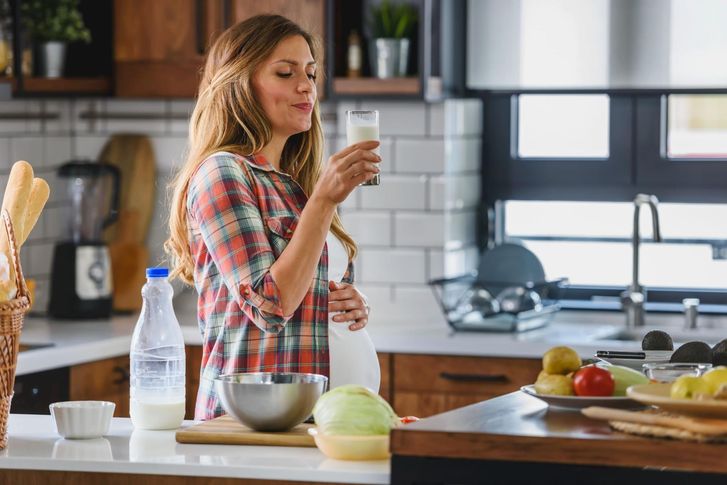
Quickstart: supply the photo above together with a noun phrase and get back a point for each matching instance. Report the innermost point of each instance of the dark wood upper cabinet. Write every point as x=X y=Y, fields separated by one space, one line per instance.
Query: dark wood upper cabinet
x=159 y=46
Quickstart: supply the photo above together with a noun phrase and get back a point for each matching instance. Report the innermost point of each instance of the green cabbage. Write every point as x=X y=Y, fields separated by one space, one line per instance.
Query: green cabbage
x=353 y=410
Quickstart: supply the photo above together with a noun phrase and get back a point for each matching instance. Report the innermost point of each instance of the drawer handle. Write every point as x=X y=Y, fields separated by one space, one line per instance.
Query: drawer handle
x=122 y=373
x=474 y=377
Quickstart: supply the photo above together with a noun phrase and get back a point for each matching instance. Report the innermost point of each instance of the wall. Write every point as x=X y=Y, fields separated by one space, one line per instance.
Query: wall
x=418 y=225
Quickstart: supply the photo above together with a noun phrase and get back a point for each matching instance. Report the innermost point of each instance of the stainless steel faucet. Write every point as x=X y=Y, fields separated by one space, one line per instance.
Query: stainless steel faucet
x=632 y=300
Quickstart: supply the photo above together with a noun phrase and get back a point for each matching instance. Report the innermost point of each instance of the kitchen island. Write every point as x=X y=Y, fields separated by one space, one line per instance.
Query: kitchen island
x=36 y=454
x=516 y=438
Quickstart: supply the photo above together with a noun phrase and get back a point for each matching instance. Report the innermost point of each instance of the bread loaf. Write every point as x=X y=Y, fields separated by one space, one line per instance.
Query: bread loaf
x=39 y=193
x=15 y=201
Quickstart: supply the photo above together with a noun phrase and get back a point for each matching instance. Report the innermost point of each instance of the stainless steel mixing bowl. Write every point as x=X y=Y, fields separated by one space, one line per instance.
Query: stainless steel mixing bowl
x=267 y=401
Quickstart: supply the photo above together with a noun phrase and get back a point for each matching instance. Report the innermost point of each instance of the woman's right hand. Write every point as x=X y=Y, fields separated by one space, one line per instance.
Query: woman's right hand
x=346 y=170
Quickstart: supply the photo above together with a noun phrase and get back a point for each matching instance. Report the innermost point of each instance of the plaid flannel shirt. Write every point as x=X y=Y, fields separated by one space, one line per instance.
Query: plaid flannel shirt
x=242 y=214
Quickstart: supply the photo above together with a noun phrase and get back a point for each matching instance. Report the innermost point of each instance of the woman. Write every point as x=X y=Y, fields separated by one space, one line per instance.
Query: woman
x=253 y=221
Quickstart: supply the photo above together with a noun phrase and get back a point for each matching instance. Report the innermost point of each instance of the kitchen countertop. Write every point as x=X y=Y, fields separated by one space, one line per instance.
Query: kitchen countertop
x=77 y=342
x=34 y=445
x=526 y=438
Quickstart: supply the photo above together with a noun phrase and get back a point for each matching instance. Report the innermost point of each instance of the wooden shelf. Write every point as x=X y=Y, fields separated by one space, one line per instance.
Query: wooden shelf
x=399 y=85
x=81 y=85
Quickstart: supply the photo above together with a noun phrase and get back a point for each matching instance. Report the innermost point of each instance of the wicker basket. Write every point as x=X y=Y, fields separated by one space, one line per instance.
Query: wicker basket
x=11 y=323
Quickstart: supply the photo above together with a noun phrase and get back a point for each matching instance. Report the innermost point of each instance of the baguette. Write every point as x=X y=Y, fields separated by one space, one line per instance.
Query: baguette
x=17 y=193
x=39 y=193
x=15 y=201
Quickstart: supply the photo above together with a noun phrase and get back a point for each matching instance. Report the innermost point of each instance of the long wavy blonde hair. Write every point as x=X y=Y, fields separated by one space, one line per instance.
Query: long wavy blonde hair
x=228 y=118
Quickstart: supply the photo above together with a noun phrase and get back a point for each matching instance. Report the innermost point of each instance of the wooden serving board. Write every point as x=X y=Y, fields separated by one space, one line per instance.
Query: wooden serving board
x=226 y=430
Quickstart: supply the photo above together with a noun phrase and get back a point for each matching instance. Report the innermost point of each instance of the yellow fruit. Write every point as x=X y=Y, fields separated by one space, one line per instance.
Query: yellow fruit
x=554 y=385
x=541 y=375
x=715 y=378
x=561 y=360
x=688 y=387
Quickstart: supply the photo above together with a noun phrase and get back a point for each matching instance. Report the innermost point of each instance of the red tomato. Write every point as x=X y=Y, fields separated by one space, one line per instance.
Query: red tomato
x=408 y=419
x=593 y=381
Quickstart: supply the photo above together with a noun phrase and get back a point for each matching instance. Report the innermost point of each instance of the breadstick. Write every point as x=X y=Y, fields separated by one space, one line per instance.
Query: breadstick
x=15 y=201
x=39 y=193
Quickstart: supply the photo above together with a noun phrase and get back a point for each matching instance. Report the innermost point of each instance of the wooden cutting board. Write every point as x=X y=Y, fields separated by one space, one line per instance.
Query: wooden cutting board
x=133 y=155
x=226 y=430
x=129 y=260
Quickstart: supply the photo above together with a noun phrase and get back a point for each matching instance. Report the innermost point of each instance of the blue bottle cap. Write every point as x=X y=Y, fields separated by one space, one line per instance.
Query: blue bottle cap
x=157 y=272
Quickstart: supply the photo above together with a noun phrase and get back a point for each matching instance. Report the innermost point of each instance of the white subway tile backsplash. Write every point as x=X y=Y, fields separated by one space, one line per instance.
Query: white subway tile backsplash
x=368 y=228
x=169 y=152
x=436 y=264
x=392 y=265
x=419 y=156
x=140 y=125
x=462 y=154
x=64 y=123
x=463 y=117
x=462 y=191
x=409 y=229
x=398 y=118
x=416 y=301
x=421 y=229
x=436 y=119
x=461 y=229
x=5 y=161
x=30 y=149
x=437 y=185
x=395 y=192
x=53 y=220
x=57 y=151
x=89 y=146
x=42 y=259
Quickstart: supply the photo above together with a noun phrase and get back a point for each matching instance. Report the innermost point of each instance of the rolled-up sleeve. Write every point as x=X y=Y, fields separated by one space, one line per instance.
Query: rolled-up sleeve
x=222 y=203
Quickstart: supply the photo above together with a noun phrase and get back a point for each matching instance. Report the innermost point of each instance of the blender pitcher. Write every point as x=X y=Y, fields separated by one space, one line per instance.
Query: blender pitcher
x=81 y=280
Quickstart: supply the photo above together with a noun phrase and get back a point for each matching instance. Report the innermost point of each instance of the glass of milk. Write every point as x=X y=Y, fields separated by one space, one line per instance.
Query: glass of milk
x=362 y=126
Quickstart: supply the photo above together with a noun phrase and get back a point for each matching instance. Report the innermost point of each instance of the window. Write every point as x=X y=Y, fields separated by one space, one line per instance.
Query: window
x=563 y=126
x=697 y=126
x=590 y=243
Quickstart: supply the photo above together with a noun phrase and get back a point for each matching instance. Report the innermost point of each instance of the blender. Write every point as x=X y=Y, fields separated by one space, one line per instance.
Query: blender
x=81 y=279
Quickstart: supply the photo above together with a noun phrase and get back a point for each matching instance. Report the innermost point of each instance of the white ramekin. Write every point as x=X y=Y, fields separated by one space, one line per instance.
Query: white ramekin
x=82 y=419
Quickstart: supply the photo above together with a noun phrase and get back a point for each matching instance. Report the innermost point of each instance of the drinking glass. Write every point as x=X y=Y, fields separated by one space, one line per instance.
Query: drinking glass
x=361 y=126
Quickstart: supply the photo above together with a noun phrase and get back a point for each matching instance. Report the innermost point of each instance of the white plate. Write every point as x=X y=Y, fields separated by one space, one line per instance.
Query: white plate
x=580 y=402
x=658 y=395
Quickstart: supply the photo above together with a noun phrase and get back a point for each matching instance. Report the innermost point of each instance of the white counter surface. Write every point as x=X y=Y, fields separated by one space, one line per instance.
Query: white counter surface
x=34 y=445
x=76 y=342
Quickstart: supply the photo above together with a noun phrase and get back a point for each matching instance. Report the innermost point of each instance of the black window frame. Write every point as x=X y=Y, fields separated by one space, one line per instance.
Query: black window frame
x=637 y=162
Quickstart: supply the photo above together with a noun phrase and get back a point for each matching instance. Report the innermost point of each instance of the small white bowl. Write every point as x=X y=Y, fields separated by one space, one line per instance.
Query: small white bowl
x=82 y=419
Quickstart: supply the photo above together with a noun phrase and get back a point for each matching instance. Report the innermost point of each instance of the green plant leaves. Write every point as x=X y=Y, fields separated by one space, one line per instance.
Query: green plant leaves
x=395 y=21
x=54 y=20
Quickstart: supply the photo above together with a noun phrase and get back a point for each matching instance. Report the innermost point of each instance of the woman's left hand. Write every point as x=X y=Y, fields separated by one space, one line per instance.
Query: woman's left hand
x=344 y=297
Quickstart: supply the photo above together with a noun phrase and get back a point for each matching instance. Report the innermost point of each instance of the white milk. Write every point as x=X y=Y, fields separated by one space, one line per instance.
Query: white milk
x=359 y=132
x=156 y=415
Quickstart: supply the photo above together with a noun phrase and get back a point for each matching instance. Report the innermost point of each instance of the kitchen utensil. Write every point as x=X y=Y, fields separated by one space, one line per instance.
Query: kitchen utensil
x=226 y=430
x=516 y=299
x=133 y=155
x=81 y=275
x=82 y=419
x=695 y=425
x=129 y=259
x=267 y=401
x=468 y=305
x=658 y=395
x=634 y=360
x=669 y=371
x=509 y=264
x=580 y=402
x=475 y=304
x=372 y=447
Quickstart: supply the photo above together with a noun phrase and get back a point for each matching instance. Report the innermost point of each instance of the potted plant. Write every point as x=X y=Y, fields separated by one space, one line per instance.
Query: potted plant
x=391 y=28
x=52 y=24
